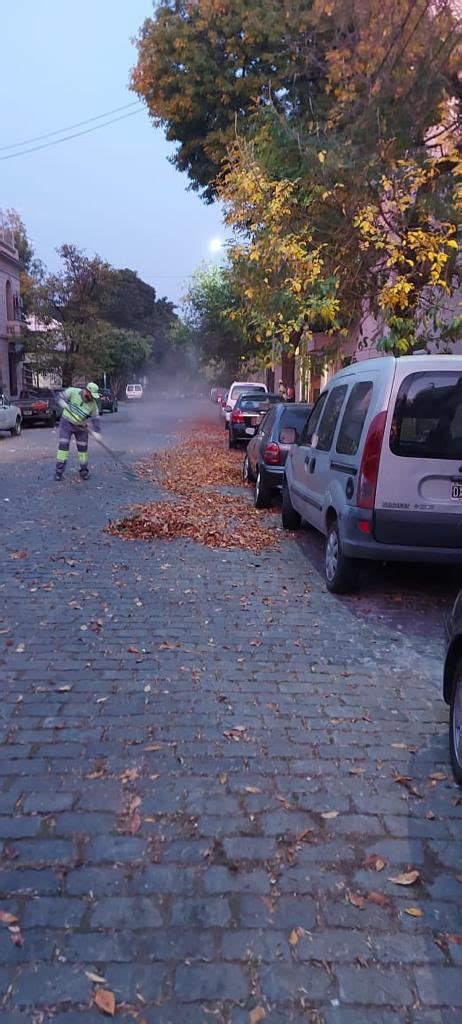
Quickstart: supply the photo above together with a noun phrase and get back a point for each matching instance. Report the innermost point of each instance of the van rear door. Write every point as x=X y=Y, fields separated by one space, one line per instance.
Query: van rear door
x=419 y=489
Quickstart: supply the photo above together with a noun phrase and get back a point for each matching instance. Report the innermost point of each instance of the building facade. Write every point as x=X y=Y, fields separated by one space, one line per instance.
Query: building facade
x=10 y=317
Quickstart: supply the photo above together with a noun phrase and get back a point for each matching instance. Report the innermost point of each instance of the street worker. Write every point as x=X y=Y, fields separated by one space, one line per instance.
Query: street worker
x=80 y=410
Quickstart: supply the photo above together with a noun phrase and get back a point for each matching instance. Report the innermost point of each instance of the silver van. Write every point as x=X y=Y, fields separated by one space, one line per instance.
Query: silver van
x=378 y=466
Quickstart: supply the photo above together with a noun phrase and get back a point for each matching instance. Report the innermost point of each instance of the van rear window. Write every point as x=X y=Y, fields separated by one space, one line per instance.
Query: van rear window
x=427 y=419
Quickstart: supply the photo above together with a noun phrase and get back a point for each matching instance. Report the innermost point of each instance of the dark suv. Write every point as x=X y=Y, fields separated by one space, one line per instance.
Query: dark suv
x=108 y=401
x=267 y=452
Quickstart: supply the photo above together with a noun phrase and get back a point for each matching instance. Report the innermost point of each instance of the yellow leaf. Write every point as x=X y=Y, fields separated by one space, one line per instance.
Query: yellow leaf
x=327 y=815
x=257 y=1015
x=223 y=778
x=294 y=937
x=438 y=776
x=407 y=878
x=322 y=156
x=95 y=977
x=413 y=912
x=105 y=1001
x=252 y=789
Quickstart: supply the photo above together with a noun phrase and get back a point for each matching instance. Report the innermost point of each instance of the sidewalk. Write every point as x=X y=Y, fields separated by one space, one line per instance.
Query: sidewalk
x=205 y=759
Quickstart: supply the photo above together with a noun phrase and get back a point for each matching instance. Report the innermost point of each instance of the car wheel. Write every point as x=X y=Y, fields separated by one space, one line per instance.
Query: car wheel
x=16 y=430
x=341 y=573
x=247 y=474
x=291 y=519
x=455 y=724
x=231 y=442
x=263 y=492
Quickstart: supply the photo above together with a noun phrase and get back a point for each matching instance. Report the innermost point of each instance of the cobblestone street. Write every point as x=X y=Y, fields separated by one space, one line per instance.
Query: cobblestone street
x=211 y=769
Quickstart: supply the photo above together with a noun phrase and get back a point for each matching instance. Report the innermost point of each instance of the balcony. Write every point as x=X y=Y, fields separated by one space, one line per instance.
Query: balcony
x=13 y=328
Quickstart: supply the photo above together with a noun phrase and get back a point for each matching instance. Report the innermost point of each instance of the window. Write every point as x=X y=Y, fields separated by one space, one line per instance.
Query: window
x=354 y=418
x=427 y=419
x=330 y=418
x=244 y=389
x=313 y=420
x=293 y=419
x=9 y=301
x=266 y=425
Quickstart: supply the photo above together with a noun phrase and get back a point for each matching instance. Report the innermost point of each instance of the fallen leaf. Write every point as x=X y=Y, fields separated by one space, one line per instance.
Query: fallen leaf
x=252 y=789
x=95 y=977
x=134 y=823
x=294 y=936
x=105 y=1001
x=413 y=912
x=400 y=746
x=355 y=899
x=407 y=878
x=438 y=776
x=167 y=646
x=378 y=898
x=257 y=1015
x=456 y=939
x=21 y=648
x=430 y=816
x=15 y=935
x=357 y=771
x=133 y=650
x=64 y=689
x=154 y=746
x=327 y=815
x=374 y=862
x=7 y=918
x=224 y=778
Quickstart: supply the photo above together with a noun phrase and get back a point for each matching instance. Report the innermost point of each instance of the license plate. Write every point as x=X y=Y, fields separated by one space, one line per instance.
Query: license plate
x=250 y=431
x=456 y=492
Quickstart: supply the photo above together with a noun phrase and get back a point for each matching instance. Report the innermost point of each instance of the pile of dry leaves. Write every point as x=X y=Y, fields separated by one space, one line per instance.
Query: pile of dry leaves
x=193 y=471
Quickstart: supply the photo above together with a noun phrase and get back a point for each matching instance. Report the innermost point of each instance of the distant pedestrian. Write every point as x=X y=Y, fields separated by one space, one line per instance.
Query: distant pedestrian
x=80 y=409
x=282 y=391
x=290 y=394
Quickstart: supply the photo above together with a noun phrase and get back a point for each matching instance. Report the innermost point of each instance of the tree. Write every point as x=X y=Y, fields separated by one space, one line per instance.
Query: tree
x=209 y=327
x=73 y=338
x=31 y=268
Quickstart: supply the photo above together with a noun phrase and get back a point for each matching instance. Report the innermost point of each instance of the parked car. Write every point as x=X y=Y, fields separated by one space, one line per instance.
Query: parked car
x=134 y=391
x=265 y=458
x=452 y=685
x=10 y=417
x=240 y=387
x=247 y=415
x=108 y=400
x=378 y=467
x=40 y=405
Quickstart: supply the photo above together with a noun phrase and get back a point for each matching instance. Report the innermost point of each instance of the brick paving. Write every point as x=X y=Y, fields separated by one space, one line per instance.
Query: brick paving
x=198 y=762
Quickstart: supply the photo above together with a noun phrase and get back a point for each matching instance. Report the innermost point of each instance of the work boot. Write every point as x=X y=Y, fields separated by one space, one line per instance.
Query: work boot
x=84 y=473
x=58 y=474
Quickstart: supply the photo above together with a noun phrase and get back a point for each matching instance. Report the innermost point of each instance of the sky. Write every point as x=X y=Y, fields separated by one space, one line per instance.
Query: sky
x=113 y=191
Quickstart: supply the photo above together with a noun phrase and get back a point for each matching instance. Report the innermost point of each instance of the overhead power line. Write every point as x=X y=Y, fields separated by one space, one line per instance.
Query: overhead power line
x=75 y=135
x=69 y=127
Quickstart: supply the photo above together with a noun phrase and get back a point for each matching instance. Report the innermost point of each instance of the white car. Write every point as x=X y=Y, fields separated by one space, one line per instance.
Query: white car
x=134 y=391
x=10 y=417
x=378 y=466
x=241 y=387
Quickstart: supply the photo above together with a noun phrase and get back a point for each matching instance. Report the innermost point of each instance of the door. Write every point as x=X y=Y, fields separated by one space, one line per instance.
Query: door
x=419 y=488
x=318 y=469
x=298 y=464
x=264 y=433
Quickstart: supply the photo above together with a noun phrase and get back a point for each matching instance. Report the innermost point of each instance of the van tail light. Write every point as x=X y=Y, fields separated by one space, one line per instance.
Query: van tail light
x=272 y=454
x=237 y=417
x=369 y=470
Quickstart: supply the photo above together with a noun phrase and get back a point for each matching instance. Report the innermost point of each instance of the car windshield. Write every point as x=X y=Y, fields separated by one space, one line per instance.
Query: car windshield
x=243 y=389
x=427 y=420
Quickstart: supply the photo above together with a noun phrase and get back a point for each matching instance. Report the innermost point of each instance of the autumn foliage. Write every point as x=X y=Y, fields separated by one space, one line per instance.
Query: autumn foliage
x=330 y=129
x=196 y=472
